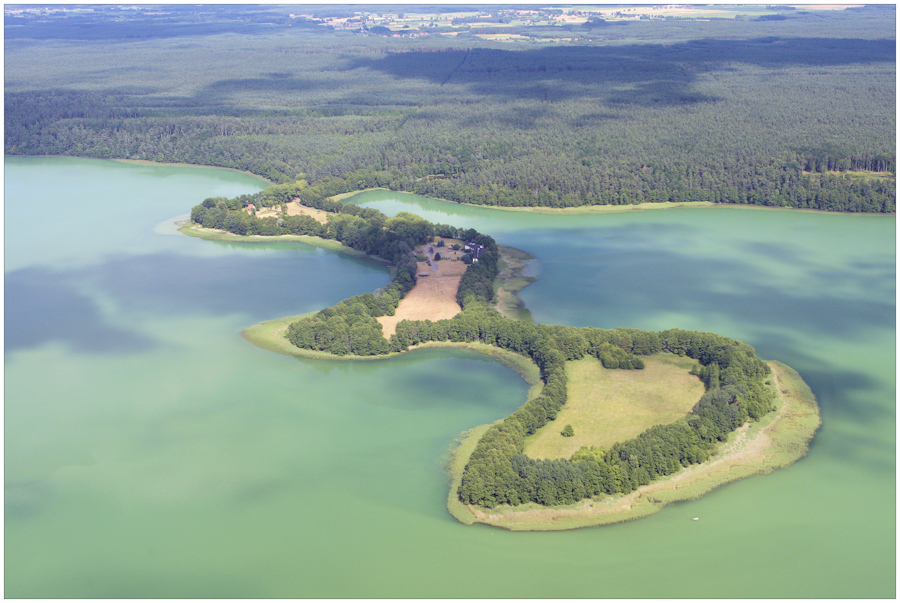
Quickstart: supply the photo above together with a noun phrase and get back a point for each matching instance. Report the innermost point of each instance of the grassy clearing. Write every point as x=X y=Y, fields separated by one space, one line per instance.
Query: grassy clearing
x=776 y=441
x=607 y=406
x=293 y=208
x=345 y=196
x=856 y=175
x=434 y=296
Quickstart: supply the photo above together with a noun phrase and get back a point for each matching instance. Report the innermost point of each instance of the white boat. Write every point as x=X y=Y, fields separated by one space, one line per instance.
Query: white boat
x=695 y=518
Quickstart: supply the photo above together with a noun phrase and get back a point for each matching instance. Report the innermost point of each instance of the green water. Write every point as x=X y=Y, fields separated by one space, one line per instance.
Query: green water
x=152 y=452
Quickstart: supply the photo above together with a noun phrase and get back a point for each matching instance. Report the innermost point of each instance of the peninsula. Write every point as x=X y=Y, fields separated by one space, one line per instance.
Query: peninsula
x=658 y=416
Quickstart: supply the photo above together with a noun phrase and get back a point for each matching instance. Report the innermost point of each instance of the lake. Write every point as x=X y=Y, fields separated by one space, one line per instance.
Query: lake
x=152 y=452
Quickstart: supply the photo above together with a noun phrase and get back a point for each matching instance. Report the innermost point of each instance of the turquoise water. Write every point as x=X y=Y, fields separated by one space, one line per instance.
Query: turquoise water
x=152 y=452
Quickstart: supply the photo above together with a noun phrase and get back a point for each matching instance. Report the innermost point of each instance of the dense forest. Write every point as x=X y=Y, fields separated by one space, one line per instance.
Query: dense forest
x=796 y=111
x=498 y=472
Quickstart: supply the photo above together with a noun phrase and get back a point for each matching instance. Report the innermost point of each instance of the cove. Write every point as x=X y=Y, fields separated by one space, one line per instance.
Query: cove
x=199 y=465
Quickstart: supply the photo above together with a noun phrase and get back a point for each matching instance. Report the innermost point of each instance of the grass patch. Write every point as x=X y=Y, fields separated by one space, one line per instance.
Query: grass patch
x=345 y=196
x=606 y=406
x=269 y=335
x=856 y=175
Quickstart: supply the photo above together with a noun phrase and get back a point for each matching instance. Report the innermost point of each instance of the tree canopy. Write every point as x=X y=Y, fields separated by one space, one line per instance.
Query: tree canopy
x=791 y=113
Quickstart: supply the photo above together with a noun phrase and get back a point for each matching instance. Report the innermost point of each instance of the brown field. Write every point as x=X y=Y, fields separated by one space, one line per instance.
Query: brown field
x=606 y=406
x=434 y=296
x=294 y=209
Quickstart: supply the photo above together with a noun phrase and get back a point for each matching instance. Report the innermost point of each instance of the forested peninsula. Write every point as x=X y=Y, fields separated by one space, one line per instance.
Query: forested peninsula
x=740 y=389
x=580 y=107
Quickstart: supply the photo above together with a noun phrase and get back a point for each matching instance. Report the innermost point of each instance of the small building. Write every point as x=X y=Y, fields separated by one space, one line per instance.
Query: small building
x=474 y=250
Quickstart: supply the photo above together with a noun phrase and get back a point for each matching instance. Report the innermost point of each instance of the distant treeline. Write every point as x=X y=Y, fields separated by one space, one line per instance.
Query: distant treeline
x=482 y=169
x=647 y=112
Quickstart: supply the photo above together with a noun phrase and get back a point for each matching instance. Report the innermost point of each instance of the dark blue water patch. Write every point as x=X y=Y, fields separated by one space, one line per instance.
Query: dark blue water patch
x=778 y=251
x=261 y=286
x=618 y=285
x=50 y=305
x=43 y=306
x=465 y=376
x=25 y=500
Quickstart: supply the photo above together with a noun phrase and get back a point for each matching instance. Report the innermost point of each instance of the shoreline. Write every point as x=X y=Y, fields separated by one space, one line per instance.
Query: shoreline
x=267 y=335
x=581 y=209
x=510 y=281
x=149 y=162
x=194 y=230
x=777 y=440
x=614 y=209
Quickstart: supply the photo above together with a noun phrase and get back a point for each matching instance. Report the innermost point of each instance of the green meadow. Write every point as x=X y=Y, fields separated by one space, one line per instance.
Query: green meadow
x=606 y=406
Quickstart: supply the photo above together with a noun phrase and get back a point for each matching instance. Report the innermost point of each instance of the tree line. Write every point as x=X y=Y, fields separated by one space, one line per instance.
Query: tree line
x=737 y=113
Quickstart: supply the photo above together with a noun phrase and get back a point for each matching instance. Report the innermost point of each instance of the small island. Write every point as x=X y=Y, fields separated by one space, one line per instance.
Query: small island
x=617 y=423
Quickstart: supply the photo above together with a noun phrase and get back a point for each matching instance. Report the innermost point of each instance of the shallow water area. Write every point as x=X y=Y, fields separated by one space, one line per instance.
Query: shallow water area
x=168 y=457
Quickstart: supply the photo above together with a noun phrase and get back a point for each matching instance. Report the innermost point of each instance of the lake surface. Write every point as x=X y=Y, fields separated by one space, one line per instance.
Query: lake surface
x=152 y=452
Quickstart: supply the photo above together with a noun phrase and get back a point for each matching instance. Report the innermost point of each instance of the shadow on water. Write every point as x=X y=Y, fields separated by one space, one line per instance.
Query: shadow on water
x=123 y=584
x=629 y=271
x=845 y=397
x=25 y=500
x=44 y=305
